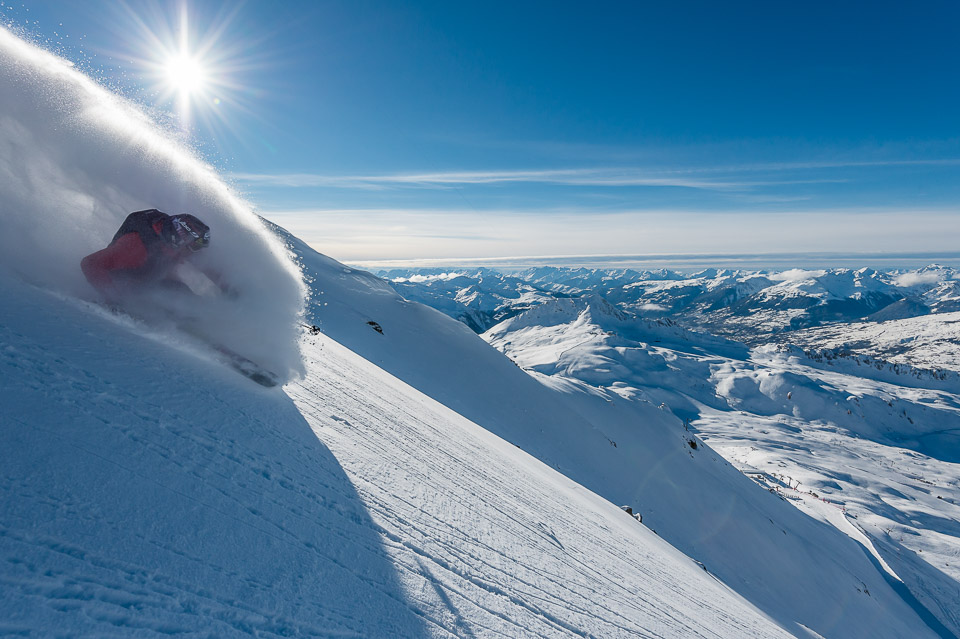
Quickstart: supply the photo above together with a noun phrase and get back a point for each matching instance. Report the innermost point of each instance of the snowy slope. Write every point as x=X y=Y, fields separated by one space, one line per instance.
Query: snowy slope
x=631 y=452
x=874 y=458
x=880 y=445
x=929 y=342
x=147 y=490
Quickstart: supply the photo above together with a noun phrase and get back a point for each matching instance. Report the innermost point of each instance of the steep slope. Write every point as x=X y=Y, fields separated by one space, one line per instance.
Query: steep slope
x=146 y=490
x=631 y=452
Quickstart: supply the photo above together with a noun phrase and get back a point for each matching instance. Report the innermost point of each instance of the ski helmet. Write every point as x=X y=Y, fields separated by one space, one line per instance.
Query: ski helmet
x=190 y=232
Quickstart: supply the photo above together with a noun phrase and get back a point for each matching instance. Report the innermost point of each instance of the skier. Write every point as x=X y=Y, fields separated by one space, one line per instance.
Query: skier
x=146 y=252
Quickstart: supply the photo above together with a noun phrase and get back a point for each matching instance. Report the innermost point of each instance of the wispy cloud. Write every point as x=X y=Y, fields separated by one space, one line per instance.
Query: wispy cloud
x=772 y=167
x=730 y=177
x=595 y=177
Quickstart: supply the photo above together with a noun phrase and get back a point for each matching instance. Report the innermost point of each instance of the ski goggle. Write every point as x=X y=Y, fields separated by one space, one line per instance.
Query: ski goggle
x=198 y=243
x=188 y=237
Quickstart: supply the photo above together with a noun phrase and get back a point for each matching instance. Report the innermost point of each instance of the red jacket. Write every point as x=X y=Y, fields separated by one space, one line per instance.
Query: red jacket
x=137 y=255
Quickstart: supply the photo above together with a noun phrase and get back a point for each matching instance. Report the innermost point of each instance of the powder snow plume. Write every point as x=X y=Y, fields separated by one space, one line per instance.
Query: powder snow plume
x=75 y=159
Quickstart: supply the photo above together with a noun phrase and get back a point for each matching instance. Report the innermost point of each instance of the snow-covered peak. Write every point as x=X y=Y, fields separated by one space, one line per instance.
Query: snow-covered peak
x=933 y=274
x=592 y=308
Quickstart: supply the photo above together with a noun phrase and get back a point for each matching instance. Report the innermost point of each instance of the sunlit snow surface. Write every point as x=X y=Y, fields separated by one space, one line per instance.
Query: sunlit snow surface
x=147 y=486
x=890 y=467
x=870 y=449
x=929 y=341
x=150 y=490
x=624 y=442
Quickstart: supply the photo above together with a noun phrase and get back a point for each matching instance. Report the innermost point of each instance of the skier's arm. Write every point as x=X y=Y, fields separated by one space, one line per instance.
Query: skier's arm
x=128 y=252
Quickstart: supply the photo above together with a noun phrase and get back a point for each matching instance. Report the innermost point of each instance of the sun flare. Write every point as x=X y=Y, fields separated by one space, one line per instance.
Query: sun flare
x=185 y=74
x=189 y=60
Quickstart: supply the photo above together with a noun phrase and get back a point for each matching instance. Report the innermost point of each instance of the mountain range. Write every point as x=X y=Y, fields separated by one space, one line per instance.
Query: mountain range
x=750 y=306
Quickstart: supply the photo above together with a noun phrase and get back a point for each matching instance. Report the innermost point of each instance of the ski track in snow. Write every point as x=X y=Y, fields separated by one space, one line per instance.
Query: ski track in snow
x=148 y=492
x=233 y=463
x=428 y=529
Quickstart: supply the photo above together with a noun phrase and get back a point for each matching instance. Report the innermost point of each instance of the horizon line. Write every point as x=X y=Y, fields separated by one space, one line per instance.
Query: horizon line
x=683 y=261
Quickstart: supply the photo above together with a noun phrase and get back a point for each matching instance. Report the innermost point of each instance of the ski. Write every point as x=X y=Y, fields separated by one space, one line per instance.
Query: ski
x=248 y=368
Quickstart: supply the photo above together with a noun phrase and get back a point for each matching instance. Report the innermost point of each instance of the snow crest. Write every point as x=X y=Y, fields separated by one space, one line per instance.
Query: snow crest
x=75 y=159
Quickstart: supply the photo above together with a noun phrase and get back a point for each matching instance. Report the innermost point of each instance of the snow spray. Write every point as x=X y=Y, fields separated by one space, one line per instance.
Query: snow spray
x=75 y=159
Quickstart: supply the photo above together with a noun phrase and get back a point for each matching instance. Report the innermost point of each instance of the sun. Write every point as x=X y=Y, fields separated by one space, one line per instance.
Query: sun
x=185 y=74
x=185 y=70
x=197 y=63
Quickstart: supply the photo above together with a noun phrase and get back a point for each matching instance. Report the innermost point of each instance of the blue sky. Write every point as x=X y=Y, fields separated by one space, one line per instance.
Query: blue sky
x=389 y=130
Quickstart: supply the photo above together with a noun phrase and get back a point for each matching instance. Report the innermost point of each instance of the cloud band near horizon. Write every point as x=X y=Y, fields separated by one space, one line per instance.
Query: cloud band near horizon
x=376 y=234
